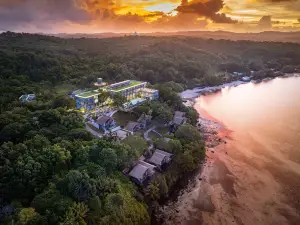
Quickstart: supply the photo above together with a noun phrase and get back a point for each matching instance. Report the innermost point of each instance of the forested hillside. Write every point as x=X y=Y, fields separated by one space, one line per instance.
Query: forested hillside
x=35 y=63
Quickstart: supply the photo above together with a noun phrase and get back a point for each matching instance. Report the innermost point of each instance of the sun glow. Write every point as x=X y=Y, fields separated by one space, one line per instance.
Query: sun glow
x=165 y=7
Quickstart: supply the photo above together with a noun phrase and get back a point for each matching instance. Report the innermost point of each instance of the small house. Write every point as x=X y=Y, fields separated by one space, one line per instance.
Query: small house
x=238 y=73
x=106 y=123
x=27 y=98
x=142 y=173
x=246 y=79
x=134 y=126
x=160 y=159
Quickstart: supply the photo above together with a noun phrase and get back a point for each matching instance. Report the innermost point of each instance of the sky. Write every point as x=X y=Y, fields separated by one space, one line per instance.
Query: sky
x=98 y=16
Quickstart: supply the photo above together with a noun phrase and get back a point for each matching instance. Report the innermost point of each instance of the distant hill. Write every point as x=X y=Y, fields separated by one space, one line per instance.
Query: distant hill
x=273 y=36
x=33 y=63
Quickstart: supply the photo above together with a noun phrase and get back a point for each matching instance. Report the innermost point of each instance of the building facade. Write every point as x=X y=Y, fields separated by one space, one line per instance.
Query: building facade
x=131 y=89
x=149 y=93
x=87 y=100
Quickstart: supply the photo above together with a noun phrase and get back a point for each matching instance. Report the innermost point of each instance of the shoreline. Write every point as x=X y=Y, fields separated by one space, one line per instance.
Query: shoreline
x=222 y=191
x=204 y=193
x=192 y=94
x=182 y=209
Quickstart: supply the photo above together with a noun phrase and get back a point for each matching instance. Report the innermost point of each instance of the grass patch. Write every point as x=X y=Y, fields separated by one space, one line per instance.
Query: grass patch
x=162 y=130
x=132 y=83
x=139 y=133
x=152 y=135
x=89 y=94
x=122 y=118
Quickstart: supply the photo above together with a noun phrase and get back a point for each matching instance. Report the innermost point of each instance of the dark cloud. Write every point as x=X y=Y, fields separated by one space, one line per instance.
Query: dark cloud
x=265 y=23
x=208 y=9
x=16 y=13
x=299 y=20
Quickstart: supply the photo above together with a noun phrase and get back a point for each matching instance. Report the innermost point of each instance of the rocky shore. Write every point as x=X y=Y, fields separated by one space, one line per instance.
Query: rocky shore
x=186 y=207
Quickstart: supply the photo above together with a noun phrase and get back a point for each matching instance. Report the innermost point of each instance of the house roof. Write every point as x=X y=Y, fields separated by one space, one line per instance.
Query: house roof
x=87 y=94
x=159 y=156
x=140 y=169
x=179 y=114
x=138 y=172
x=121 y=86
x=27 y=97
x=179 y=120
x=103 y=120
x=131 y=125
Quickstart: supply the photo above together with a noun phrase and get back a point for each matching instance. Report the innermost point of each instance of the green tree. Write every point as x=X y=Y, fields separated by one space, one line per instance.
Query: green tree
x=164 y=115
x=163 y=187
x=143 y=109
x=187 y=133
x=63 y=101
x=51 y=203
x=78 y=185
x=186 y=162
x=136 y=142
x=192 y=115
x=175 y=146
x=118 y=100
x=28 y=216
x=153 y=191
x=103 y=96
x=76 y=214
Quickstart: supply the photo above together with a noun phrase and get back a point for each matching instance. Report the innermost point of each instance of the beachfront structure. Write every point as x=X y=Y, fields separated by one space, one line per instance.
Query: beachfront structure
x=246 y=79
x=160 y=159
x=238 y=73
x=142 y=173
x=27 y=98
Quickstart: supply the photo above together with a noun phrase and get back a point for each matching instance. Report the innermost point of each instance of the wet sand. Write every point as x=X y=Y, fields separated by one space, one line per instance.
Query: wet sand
x=253 y=179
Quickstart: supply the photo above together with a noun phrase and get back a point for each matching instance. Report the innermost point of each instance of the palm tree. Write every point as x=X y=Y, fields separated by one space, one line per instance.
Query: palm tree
x=153 y=191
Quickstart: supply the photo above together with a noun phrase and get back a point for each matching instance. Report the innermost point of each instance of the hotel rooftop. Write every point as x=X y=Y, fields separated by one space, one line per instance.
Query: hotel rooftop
x=87 y=94
x=121 y=86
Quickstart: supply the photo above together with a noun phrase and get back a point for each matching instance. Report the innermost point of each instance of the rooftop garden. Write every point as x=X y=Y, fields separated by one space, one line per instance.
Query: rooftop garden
x=132 y=84
x=88 y=94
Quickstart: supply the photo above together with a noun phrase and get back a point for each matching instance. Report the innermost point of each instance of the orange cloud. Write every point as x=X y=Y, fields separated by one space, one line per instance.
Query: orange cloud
x=146 y=16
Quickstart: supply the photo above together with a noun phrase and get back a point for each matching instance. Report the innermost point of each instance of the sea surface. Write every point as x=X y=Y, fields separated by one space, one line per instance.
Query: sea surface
x=253 y=179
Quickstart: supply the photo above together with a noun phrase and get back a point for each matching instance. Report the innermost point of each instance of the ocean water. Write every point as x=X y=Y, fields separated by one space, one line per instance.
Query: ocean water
x=255 y=178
